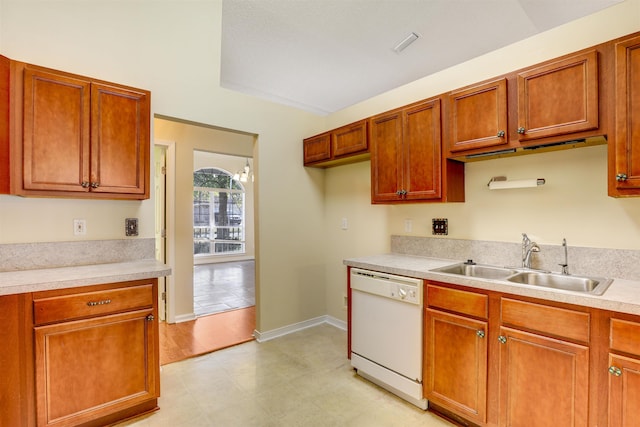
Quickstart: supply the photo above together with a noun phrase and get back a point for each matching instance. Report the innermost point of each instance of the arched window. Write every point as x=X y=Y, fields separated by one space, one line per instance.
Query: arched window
x=218 y=213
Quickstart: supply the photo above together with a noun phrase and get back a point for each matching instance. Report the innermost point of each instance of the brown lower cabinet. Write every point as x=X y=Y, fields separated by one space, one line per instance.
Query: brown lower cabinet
x=493 y=359
x=543 y=381
x=624 y=372
x=84 y=357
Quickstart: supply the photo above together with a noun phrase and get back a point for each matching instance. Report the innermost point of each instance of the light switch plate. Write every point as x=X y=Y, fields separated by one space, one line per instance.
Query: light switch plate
x=440 y=226
x=131 y=226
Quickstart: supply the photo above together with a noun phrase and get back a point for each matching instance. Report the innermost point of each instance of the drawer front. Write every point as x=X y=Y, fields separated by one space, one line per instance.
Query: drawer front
x=458 y=301
x=625 y=336
x=554 y=321
x=88 y=304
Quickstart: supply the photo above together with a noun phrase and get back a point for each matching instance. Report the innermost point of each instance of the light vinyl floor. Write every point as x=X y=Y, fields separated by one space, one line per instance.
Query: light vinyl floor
x=300 y=379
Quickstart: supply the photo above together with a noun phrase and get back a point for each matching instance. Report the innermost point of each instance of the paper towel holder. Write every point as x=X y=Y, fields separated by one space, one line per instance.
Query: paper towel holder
x=501 y=183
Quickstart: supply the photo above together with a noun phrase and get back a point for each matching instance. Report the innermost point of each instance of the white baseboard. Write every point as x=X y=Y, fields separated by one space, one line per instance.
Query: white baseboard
x=289 y=329
x=185 y=317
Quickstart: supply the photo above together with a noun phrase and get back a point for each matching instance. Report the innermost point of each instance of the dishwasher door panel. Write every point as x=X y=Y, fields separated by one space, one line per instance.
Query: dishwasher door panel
x=387 y=332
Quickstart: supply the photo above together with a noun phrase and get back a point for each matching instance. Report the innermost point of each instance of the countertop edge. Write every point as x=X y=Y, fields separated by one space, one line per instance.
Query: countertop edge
x=621 y=296
x=24 y=281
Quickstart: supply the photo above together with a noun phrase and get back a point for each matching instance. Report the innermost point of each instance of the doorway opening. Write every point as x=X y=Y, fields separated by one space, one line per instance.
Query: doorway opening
x=223 y=235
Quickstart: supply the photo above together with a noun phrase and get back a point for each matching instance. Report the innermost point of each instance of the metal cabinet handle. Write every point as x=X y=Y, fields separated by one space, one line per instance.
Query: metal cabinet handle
x=502 y=339
x=480 y=333
x=95 y=184
x=85 y=184
x=615 y=371
x=621 y=177
x=521 y=130
x=501 y=134
x=150 y=318
x=101 y=302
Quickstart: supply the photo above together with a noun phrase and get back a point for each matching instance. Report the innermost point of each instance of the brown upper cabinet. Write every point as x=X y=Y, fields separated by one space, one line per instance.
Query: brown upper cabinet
x=624 y=166
x=478 y=116
x=558 y=98
x=541 y=105
x=406 y=157
x=73 y=136
x=346 y=144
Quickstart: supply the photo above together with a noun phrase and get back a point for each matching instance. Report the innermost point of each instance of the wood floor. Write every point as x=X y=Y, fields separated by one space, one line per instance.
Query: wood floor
x=180 y=341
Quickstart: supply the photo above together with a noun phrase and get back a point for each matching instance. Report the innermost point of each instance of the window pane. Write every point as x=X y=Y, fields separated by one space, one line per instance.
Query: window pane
x=218 y=214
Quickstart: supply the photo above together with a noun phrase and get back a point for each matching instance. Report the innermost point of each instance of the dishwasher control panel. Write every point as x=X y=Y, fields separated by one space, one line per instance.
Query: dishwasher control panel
x=407 y=293
x=406 y=289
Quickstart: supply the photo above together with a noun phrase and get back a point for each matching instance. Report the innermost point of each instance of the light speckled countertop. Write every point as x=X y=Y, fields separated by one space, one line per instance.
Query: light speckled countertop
x=622 y=295
x=17 y=282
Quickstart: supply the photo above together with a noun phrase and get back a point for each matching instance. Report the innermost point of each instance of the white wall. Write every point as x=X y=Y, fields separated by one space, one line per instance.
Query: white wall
x=172 y=48
x=572 y=205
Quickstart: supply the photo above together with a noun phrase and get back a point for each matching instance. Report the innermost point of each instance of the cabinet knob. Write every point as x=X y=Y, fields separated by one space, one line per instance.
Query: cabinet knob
x=150 y=318
x=401 y=192
x=521 y=130
x=502 y=339
x=95 y=184
x=621 y=177
x=85 y=184
x=480 y=333
x=501 y=134
x=615 y=371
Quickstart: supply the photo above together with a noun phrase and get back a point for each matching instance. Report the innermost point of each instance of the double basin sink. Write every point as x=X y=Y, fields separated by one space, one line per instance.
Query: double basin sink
x=582 y=284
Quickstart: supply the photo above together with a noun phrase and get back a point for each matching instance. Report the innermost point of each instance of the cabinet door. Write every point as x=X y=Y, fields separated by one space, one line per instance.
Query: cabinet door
x=626 y=145
x=350 y=139
x=456 y=364
x=422 y=168
x=558 y=98
x=91 y=368
x=386 y=157
x=317 y=148
x=543 y=381
x=119 y=140
x=624 y=391
x=478 y=116
x=56 y=131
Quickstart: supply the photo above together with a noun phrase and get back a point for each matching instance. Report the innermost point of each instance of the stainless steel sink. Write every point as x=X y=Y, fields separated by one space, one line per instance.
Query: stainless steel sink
x=592 y=285
x=476 y=270
x=582 y=284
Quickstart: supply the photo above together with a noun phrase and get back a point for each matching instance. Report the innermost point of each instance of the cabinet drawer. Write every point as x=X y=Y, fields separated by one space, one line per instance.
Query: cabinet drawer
x=624 y=336
x=554 y=321
x=88 y=304
x=463 y=302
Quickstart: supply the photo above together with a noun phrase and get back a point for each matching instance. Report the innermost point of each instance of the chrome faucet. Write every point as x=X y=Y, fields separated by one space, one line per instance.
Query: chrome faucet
x=527 y=248
x=565 y=266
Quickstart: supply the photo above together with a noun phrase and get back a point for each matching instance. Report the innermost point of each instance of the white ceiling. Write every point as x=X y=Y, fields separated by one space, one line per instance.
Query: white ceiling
x=325 y=55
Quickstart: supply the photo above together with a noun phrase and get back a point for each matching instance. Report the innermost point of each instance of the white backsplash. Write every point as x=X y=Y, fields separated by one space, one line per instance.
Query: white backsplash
x=610 y=263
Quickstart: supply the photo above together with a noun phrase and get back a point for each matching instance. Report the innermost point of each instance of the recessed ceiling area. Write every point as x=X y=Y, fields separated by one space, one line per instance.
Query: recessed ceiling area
x=325 y=55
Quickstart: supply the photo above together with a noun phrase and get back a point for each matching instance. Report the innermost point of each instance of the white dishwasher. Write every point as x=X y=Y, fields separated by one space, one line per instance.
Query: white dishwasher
x=386 y=332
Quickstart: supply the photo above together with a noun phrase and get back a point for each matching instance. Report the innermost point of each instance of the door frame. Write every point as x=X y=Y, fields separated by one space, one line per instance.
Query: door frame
x=170 y=219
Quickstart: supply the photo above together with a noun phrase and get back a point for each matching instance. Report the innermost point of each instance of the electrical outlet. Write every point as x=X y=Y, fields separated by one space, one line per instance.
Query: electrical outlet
x=440 y=226
x=79 y=227
x=131 y=226
x=344 y=224
x=408 y=226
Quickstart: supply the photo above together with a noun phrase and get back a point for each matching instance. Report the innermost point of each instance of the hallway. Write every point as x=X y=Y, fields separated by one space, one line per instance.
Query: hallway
x=223 y=286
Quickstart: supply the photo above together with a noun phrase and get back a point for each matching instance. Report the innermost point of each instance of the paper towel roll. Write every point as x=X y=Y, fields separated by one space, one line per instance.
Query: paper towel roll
x=520 y=183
